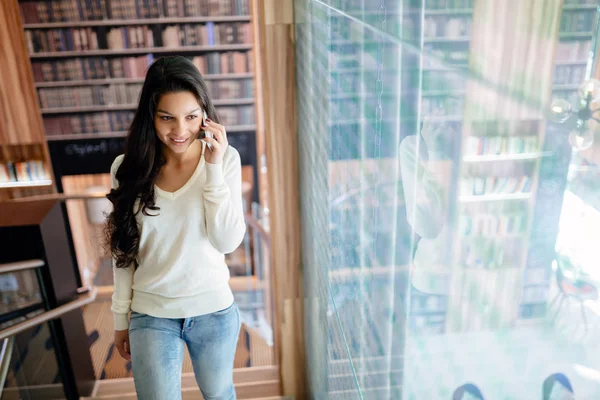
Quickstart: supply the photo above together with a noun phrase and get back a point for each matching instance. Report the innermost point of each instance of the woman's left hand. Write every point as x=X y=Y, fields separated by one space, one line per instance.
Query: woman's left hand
x=218 y=143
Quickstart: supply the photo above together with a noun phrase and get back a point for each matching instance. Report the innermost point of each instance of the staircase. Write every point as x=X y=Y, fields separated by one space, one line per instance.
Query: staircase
x=256 y=383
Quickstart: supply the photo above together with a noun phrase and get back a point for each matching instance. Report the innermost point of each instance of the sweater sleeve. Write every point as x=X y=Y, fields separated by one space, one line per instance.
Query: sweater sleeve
x=122 y=277
x=223 y=202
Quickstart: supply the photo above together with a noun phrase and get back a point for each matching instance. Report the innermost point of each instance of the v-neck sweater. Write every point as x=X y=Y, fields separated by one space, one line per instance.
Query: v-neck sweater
x=182 y=271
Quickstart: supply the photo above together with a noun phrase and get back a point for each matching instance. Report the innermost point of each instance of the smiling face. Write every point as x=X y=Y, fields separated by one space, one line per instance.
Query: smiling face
x=177 y=120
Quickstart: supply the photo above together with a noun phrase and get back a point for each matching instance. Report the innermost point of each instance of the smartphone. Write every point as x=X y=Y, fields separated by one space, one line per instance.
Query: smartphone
x=203 y=133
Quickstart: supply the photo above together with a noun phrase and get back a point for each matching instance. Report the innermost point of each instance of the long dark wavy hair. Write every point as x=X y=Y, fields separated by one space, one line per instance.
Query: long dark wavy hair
x=144 y=157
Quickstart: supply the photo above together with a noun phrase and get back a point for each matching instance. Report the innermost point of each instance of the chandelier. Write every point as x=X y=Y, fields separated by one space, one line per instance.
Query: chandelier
x=582 y=119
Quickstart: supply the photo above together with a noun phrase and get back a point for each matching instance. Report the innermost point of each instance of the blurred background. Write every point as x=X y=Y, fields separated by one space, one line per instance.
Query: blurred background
x=420 y=177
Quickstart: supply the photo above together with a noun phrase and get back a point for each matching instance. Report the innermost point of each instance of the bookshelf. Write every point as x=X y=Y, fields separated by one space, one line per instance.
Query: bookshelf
x=570 y=63
x=99 y=56
x=503 y=148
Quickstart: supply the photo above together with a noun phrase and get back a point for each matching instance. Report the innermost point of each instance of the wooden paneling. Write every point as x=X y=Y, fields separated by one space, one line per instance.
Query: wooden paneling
x=21 y=127
x=278 y=77
x=21 y=119
x=261 y=155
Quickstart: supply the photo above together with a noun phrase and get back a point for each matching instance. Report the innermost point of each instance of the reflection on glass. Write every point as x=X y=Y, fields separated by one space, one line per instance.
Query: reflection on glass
x=441 y=254
x=20 y=294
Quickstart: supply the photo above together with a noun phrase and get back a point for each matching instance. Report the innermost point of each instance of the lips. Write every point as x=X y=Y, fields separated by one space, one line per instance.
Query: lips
x=179 y=141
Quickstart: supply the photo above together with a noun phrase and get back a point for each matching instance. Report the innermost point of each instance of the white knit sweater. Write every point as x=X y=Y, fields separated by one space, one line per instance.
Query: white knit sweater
x=182 y=271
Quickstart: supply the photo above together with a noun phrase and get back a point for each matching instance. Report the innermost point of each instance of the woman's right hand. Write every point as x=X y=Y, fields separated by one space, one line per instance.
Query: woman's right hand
x=122 y=344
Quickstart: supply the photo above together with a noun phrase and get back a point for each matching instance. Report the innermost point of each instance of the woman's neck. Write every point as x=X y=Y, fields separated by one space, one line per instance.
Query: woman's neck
x=191 y=155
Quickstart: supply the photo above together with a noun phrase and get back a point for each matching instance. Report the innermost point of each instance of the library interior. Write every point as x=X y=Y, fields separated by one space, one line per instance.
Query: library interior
x=419 y=183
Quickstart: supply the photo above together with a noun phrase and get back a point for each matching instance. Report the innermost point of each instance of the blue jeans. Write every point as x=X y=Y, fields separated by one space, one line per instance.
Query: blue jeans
x=157 y=353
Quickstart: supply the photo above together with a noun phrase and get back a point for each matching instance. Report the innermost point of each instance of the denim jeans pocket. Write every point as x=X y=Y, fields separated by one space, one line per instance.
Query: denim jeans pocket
x=224 y=311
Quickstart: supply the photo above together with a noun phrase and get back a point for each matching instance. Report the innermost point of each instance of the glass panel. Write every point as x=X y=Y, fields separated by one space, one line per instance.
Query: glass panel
x=33 y=372
x=20 y=295
x=449 y=200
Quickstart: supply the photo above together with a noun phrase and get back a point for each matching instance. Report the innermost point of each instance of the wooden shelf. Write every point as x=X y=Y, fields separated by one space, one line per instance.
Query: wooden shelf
x=121 y=134
x=495 y=197
x=112 y=81
x=142 y=21
x=565 y=87
x=505 y=157
x=21 y=184
x=68 y=110
x=443 y=93
x=81 y=136
x=577 y=7
x=449 y=67
x=145 y=50
x=129 y=107
x=574 y=63
x=575 y=35
x=461 y=39
x=443 y=118
x=240 y=128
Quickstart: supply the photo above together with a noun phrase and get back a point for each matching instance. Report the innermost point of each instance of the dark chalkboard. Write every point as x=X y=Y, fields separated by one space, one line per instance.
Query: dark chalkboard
x=95 y=156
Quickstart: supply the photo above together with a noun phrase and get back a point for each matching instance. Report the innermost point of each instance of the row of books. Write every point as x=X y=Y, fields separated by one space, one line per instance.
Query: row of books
x=428 y=304
x=90 y=96
x=237 y=115
x=135 y=67
x=534 y=294
x=569 y=74
x=84 y=68
x=90 y=10
x=114 y=121
x=447 y=26
x=491 y=253
x=206 y=34
x=479 y=186
x=573 y=50
x=442 y=106
x=230 y=62
x=428 y=324
x=133 y=37
x=231 y=89
x=492 y=224
x=449 y=4
x=190 y=8
x=117 y=121
x=22 y=171
x=128 y=94
x=443 y=81
x=436 y=57
x=505 y=127
x=500 y=145
x=577 y=21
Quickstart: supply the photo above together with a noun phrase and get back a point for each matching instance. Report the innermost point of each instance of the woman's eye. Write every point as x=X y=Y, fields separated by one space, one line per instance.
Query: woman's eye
x=192 y=116
x=165 y=118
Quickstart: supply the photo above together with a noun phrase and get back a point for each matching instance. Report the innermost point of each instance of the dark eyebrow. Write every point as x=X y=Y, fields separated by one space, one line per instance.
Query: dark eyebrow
x=166 y=112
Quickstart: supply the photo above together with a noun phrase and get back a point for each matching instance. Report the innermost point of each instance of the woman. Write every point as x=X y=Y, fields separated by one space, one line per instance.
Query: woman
x=177 y=209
